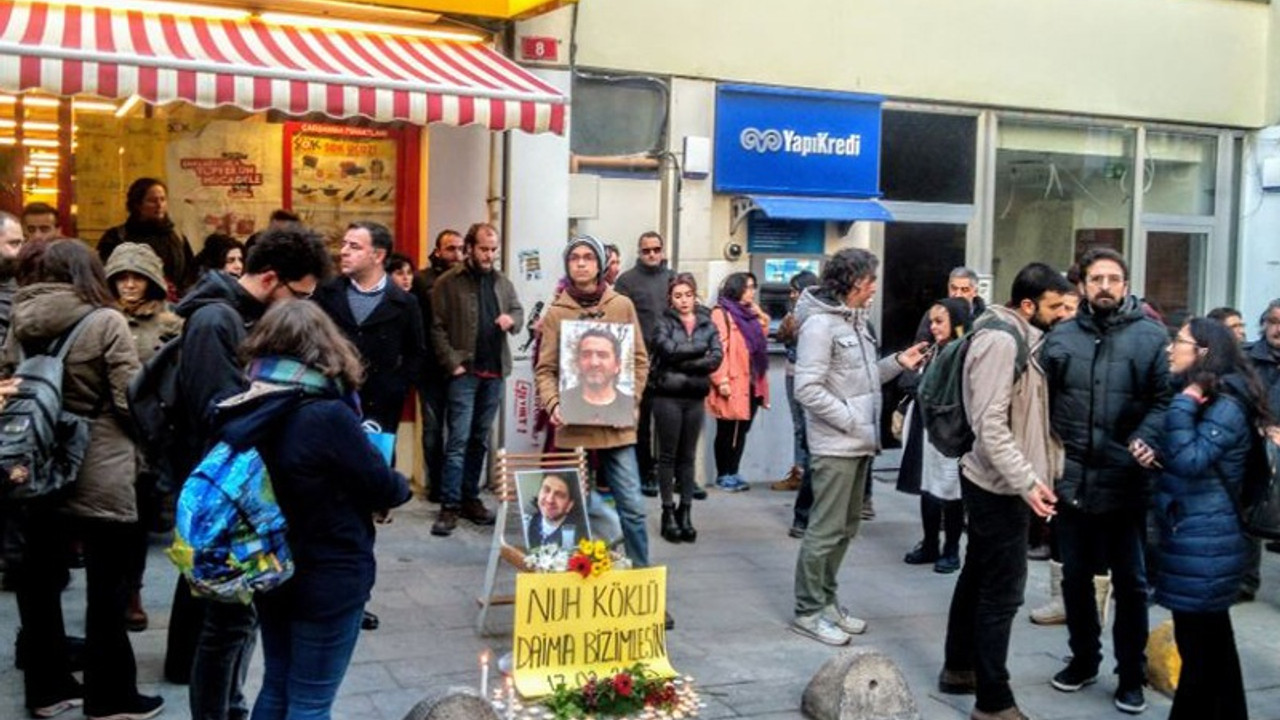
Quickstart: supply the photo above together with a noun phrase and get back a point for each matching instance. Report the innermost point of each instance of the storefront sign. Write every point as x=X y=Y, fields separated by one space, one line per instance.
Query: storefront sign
x=797 y=142
x=338 y=174
x=570 y=629
x=227 y=175
x=785 y=237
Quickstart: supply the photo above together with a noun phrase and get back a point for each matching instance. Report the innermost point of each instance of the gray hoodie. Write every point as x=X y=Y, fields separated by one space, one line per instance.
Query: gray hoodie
x=838 y=377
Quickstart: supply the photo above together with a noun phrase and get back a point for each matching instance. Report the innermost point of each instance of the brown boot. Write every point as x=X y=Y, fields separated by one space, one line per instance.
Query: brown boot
x=791 y=482
x=135 y=617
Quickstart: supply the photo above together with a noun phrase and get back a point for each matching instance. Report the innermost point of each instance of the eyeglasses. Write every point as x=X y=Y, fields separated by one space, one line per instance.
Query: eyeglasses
x=1105 y=280
x=299 y=294
x=651 y=251
x=1185 y=341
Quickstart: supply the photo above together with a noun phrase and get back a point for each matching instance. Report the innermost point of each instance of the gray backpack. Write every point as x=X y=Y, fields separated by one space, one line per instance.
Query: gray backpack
x=36 y=433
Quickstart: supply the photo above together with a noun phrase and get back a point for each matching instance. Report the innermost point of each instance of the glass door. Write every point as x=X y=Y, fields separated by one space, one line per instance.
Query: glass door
x=1175 y=274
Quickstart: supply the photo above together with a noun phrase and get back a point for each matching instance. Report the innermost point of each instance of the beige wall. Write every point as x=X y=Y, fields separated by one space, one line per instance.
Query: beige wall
x=1195 y=61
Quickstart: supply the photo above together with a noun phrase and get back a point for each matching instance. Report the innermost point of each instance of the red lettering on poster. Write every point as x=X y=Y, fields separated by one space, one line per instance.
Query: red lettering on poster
x=222 y=171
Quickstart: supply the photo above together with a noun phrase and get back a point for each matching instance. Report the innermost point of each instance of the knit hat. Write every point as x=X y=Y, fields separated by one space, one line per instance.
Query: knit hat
x=136 y=258
x=596 y=246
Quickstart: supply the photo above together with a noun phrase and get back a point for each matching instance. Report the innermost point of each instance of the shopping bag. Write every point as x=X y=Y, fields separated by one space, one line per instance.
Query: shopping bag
x=384 y=441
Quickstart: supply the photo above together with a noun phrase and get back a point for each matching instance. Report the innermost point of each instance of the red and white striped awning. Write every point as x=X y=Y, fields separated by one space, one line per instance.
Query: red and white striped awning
x=74 y=50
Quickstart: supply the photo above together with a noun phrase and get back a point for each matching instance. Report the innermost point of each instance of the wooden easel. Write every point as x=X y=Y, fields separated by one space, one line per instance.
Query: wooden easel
x=504 y=483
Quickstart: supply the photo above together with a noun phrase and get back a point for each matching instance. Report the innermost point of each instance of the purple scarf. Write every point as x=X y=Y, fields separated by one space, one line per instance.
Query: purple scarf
x=748 y=324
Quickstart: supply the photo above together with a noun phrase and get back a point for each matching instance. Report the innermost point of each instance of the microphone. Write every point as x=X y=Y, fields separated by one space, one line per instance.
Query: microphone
x=534 y=317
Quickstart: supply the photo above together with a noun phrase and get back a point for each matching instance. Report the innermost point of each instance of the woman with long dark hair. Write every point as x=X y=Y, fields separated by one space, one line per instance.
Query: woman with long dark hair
x=686 y=350
x=925 y=470
x=740 y=386
x=1208 y=430
x=302 y=415
x=147 y=202
x=61 y=284
x=223 y=253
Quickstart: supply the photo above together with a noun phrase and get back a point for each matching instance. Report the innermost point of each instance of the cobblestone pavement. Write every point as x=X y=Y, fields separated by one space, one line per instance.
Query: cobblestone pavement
x=731 y=595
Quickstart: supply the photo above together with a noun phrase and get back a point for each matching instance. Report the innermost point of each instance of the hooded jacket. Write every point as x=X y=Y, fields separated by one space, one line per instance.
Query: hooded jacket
x=682 y=361
x=612 y=308
x=96 y=374
x=329 y=480
x=172 y=247
x=1203 y=551
x=838 y=377
x=1108 y=384
x=151 y=322
x=1013 y=445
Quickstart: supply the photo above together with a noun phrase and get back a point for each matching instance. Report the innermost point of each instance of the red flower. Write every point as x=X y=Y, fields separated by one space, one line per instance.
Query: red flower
x=581 y=565
x=622 y=684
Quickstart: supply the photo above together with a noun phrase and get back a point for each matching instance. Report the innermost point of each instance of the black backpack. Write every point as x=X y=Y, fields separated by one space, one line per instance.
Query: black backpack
x=38 y=438
x=941 y=391
x=154 y=402
x=1257 y=499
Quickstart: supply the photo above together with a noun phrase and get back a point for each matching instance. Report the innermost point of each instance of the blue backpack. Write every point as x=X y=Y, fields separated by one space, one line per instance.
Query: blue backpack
x=229 y=533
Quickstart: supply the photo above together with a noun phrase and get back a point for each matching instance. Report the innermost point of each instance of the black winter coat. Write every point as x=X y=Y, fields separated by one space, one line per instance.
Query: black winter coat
x=1268 y=367
x=683 y=362
x=1108 y=384
x=391 y=342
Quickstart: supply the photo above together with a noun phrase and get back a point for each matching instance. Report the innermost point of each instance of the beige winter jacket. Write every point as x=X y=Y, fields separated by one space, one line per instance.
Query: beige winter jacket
x=1013 y=444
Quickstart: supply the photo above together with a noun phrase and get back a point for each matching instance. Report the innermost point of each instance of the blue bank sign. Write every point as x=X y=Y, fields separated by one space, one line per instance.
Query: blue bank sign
x=784 y=141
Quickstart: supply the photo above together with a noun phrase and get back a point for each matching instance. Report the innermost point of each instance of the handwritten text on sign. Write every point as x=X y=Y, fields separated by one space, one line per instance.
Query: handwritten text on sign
x=570 y=630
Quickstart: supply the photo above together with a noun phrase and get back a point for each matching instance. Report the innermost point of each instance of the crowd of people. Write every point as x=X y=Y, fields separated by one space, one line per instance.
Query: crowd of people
x=1084 y=409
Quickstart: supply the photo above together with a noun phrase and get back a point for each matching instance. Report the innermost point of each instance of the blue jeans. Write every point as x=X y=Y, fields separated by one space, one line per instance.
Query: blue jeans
x=800 y=438
x=473 y=405
x=620 y=466
x=1088 y=542
x=222 y=660
x=434 y=416
x=304 y=662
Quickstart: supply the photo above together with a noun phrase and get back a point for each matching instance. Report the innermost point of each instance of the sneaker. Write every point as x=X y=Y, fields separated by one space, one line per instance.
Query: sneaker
x=649 y=487
x=1130 y=700
x=143 y=707
x=739 y=484
x=476 y=512
x=1039 y=552
x=947 y=564
x=699 y=493
x=868 y=510
x=841 y=618
x=445 y=522
x=791 y=482
x=820 y=629
x=797 y=530
x=957 y=682
x=921 y=555
x=1072 y=678
x=1009 y=713
x=732 y=483
x=369 y=621
x=1051 y=613
x=56 y=708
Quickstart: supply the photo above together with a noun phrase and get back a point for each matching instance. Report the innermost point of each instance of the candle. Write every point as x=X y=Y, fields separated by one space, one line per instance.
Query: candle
x=511 y=699
x=484 y=673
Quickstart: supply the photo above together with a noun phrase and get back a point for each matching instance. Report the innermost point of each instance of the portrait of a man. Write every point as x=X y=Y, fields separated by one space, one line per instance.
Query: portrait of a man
x=599 y=375
x=552 y=508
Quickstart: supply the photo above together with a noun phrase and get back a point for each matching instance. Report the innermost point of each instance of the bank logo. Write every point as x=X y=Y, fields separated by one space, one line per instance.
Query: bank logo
x=762 y=141
x=789 y=141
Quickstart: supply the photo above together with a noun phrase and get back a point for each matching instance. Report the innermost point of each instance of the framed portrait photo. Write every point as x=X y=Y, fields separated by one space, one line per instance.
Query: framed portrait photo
x=598 y=373
x=552 y=508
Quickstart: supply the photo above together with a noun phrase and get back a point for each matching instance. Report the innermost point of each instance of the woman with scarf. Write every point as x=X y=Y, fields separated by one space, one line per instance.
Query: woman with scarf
x=740 y=385
x=924 y=470
x=302 y=415
x=147 y=201
x=1208 y=431
x=136 y=279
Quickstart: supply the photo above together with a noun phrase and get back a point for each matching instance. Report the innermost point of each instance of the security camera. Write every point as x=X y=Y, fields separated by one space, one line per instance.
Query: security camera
x=733 y=251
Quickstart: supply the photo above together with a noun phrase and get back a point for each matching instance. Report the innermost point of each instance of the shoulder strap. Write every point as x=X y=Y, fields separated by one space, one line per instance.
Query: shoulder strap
x=64 y=343
x=1023 y=357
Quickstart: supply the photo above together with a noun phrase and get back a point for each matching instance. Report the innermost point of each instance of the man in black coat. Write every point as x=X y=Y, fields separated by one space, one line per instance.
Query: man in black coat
x=1109 y=386
x=381 y=320
x=646 y=286
x=1265 y=356
x=434 y=392
x=287 y=263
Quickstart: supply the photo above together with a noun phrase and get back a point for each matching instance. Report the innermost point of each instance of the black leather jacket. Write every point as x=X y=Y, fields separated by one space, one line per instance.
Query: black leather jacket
x=682 y=362
x=1108 y=384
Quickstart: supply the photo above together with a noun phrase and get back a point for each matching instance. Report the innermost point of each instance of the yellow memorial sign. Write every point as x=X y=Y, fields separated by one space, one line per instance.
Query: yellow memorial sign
x=570 y=629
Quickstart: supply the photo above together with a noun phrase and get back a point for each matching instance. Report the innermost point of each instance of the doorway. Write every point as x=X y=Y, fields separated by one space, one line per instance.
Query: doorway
x=1175 y=271
x=917 y=259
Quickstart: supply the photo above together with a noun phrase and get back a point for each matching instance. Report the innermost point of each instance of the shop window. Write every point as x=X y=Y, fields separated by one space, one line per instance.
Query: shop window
x=614 y=117
x=1181 y=174
x=1060 y=189
x=927 y=157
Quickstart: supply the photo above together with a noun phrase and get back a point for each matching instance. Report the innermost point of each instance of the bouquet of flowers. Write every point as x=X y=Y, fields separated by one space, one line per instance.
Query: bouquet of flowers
x=547 y=558
x=629 y=691
x=590 y=558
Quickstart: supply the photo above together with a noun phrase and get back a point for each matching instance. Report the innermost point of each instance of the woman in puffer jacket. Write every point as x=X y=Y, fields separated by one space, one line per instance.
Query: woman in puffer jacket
x=1208 y=429
x=135 y=276
x=686 y=350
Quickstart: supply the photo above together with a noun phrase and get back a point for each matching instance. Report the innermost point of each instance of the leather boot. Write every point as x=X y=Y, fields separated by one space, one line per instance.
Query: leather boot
x=670 y=531
x=687 y=533
x=1052 y=612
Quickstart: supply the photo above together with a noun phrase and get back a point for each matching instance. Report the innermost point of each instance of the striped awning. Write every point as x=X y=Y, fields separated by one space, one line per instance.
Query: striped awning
x=72 y=50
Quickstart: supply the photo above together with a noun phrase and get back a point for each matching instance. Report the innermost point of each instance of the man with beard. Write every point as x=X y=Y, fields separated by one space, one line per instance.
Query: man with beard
x=1109 y=387
x=434 y=391
x=1014 y=460
x=40 y=221
x=1265 y=356
x=597 y=399
x=474 y=309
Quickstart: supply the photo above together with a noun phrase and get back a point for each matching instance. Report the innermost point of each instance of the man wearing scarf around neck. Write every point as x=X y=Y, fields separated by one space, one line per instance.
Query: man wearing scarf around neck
x=588 y=297
x=838 y=383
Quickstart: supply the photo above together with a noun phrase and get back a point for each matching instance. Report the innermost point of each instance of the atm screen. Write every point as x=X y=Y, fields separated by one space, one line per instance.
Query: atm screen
x=781 y=270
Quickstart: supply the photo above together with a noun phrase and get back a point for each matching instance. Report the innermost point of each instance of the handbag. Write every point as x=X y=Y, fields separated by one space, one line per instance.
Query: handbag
x=385 y=442
x=1258 y=501
x=899 y=419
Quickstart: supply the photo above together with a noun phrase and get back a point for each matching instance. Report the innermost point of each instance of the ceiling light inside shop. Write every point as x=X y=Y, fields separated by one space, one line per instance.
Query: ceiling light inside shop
x=161 y=7
x=290 y=19
x=38 y=142
x=37 y=102
x=128 y=106
x=94 y=106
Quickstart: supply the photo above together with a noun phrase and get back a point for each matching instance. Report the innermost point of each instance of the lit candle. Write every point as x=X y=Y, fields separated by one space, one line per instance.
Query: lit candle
x=484 y=673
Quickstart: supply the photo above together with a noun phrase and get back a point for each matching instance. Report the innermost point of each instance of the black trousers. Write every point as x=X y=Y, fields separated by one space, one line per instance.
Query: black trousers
x=988 y=593
x=1210 y=686
x=645 y=440
x=679 y=423
x=110 y=673
x=731 y=441
x=938 y=515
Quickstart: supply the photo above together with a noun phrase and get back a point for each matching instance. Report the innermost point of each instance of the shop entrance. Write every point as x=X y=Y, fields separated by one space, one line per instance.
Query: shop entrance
x=1175 y=272
x=917 y=258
